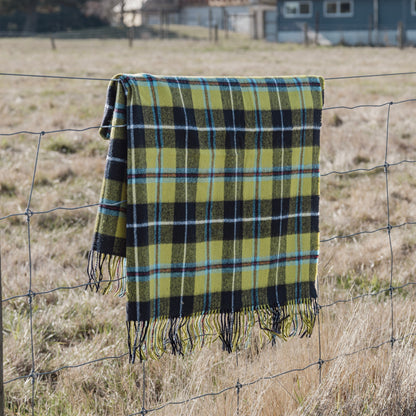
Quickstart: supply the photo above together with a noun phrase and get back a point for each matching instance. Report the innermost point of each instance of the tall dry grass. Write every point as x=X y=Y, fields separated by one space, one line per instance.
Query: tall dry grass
x=74 y=326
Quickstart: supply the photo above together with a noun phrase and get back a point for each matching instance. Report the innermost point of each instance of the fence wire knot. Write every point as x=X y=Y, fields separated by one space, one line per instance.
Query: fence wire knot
x=33 y=374
x=143 y=411
x=321 y=362
x=238 y=386
x=28 y=213
x=31 y=294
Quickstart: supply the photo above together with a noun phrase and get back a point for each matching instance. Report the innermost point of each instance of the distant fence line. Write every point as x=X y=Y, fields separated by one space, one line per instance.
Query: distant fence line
x=215 y=23
x=319 y=362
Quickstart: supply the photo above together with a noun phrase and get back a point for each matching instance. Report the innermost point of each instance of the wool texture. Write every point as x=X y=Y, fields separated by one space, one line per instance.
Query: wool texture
x=209 y=211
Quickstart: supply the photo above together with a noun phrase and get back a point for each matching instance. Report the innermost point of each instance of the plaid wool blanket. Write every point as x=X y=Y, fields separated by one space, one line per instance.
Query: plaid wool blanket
x=209 y=212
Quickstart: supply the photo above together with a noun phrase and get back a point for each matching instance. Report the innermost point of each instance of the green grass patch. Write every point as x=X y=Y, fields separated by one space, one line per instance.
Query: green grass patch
x=64 y=146
x=63 y=219
x=360 y=284
x=8 y=189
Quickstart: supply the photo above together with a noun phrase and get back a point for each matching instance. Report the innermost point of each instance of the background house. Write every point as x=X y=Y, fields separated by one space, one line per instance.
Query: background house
x=351 y=22
x=245 y=16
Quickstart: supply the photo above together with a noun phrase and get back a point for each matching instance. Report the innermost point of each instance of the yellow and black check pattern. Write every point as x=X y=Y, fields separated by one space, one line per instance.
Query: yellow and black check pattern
x=211 y=194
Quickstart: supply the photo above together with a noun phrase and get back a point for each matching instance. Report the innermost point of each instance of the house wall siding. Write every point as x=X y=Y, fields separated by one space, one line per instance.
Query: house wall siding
x=363 y=10
x=391 y=13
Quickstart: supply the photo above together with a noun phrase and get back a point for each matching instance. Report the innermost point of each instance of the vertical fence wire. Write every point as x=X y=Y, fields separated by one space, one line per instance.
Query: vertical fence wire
x=31 y=294
x=389 y=227
x=34 y=376
x=143 y=411
x=238 y=385
x=1 y=346
x=319 y=346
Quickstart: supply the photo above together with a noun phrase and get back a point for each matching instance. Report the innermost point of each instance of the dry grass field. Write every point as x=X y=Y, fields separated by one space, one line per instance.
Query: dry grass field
x=71 y=327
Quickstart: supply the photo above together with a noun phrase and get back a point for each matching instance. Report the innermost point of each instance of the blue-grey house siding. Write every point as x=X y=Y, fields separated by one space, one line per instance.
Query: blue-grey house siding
x=371 y=21
x=362 y=9
x=391 y=12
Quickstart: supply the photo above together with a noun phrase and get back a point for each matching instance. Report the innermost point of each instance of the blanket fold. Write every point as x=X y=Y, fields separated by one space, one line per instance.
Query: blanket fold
x=209 y=209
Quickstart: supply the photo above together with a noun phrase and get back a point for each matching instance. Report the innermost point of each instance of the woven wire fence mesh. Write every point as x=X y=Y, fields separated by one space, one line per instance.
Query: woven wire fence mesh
x=387 y=292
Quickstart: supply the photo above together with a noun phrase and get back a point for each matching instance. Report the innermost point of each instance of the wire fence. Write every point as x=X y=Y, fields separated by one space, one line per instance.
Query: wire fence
x=210 y=30
x=34 y=375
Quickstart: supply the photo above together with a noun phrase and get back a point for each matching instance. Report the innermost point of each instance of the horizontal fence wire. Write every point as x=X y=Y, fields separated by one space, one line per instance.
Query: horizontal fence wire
x=30 y=295
x=340 y=78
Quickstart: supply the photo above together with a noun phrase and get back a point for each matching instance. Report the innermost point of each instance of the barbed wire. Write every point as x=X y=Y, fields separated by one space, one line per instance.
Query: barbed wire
x=31 y=294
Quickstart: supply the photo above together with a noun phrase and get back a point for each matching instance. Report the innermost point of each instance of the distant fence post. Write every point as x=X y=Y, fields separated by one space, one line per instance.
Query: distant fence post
x=1 y=349
x=263 y=24
x=400 y=35
x=370 y=30
x=305 y=34
x=225 y=21
x=131 y=36
x=161 y=21
x=53 y=45
x=210 y=22
x=316 y=28
x=255 y=28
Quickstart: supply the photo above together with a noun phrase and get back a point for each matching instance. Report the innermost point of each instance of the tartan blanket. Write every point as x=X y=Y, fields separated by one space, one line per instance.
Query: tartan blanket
x=209 y=209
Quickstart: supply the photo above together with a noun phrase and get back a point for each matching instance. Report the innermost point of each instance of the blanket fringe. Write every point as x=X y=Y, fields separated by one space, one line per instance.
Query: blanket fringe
x=111 y=277
x=179 y=336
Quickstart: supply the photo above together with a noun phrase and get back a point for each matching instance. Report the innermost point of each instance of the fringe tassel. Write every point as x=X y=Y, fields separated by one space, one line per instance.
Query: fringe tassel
x=179 y=336
x=114 y=275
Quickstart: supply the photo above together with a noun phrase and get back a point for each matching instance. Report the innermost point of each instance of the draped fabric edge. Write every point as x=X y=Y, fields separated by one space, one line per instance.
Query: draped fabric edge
x=179 y=336
x=107 y=273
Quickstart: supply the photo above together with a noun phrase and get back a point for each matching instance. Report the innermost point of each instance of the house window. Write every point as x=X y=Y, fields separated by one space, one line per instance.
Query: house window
x=339 y=8
x=413 y=7
x=297 y=9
